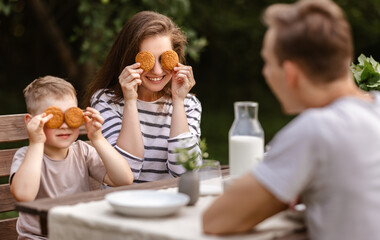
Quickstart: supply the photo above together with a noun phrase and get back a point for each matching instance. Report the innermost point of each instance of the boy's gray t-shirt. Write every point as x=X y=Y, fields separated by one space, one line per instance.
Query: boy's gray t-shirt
x=331 y=158
x=60 y=178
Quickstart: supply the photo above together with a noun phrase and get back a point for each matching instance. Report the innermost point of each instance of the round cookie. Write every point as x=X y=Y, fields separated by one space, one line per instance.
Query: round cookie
x=146 y=60
x=57 y=119
x=169 y=60
x=74 y=117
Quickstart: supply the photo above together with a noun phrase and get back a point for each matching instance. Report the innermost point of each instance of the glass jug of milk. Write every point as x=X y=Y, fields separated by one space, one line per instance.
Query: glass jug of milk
x=245 y=139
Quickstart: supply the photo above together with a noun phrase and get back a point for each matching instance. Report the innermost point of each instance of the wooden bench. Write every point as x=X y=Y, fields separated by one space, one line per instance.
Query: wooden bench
x=13 y=135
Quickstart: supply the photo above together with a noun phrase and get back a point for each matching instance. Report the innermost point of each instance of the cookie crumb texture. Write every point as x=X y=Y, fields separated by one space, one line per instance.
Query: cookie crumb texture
x=146 y=60
x=74 y=117
x=169 y=60
x=57 y=119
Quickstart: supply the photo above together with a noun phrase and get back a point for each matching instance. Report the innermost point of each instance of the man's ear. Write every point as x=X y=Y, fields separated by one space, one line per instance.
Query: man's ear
x=27 y=118
x=291 y=73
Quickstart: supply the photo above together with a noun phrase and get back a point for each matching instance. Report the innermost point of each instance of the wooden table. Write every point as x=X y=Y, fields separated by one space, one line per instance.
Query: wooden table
x=41 y=207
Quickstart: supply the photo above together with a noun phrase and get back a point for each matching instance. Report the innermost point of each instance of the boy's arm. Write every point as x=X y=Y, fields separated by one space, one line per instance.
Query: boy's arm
x=242 y=206
x=26 y=181
x=118 y=170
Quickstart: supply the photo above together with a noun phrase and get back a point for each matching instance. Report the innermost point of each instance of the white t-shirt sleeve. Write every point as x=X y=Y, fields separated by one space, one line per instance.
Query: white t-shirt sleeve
x=289 y=165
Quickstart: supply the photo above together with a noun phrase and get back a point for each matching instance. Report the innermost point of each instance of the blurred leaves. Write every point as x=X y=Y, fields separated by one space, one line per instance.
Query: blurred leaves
x=189 y=158
x=367 y=73
x=225 y=39
x=101 y=21
x=6 y=7
x=364 y=17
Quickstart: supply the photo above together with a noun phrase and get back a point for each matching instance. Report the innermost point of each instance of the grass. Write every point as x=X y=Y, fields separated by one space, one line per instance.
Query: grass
x=10 y=214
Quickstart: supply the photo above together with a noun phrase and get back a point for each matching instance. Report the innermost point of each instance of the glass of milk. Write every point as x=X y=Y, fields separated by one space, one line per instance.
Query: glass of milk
x=245 y=139
x=210 y=177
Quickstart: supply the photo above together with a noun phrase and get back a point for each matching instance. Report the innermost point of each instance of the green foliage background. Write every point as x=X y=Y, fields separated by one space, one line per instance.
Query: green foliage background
x=225 y=39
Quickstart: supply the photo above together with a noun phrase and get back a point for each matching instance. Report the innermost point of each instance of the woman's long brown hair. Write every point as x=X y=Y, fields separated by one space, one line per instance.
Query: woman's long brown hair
x=142 y=25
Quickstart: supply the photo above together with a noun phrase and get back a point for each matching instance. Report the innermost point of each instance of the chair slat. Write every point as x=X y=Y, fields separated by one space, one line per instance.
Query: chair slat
x=7 y=202
x=12 y=128
x=8 y=229
x=6 y=157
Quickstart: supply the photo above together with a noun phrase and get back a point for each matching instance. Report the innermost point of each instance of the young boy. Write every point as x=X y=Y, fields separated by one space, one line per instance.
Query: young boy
x=55 y=164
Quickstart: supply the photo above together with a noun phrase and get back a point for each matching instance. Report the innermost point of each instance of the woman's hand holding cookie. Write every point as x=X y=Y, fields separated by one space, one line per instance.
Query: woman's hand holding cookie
x=183 y=81
x=93 y=123
x=129 y=80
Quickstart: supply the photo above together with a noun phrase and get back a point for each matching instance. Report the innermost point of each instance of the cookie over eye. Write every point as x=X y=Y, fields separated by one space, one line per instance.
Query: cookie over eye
x=146 y=60
x=169 y=60
x=57 y=119
x=74 y=117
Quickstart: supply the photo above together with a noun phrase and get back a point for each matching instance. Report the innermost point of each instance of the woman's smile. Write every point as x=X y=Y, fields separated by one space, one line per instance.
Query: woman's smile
x=155 y=79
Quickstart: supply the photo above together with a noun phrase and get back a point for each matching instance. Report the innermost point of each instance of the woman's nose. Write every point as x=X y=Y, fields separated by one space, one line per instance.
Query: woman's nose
x=157 y=68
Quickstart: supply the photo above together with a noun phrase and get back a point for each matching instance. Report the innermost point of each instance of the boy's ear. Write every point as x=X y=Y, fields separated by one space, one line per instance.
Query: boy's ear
x=27 y=118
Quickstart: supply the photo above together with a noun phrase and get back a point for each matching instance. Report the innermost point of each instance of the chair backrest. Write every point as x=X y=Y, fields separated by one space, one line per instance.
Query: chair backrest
x=13 y=135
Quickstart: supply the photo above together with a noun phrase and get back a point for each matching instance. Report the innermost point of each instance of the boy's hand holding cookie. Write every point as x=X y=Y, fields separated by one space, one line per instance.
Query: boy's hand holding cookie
x=35 y=127
x=93 y=123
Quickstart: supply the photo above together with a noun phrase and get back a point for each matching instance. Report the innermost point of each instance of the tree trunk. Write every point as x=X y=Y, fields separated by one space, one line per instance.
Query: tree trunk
x=78 y=74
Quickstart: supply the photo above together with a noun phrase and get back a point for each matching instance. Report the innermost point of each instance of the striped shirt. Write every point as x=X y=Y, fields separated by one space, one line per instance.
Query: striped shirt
x=159 y=160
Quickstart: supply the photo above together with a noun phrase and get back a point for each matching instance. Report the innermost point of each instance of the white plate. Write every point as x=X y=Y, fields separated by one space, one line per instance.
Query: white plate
x=146 y=203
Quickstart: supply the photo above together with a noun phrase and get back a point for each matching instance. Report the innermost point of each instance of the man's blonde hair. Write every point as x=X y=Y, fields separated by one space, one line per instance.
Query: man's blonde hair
x=45 y=87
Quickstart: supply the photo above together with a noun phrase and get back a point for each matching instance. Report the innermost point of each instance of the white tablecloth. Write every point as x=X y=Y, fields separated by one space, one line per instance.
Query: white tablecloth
x=97 y=220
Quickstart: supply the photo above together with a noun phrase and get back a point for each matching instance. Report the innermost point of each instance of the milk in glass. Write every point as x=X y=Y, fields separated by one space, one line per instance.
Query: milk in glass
x=246 y=139
x=245 y=153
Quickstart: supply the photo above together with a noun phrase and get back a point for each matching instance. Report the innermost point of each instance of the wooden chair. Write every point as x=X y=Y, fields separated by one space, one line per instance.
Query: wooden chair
x=13 y=135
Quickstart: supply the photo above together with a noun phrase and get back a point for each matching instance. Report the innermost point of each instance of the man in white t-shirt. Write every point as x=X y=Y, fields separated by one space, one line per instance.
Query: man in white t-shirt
x=329 y=155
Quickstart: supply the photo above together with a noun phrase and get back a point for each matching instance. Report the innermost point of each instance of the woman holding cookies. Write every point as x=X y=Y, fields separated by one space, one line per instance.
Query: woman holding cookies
x=142 y=92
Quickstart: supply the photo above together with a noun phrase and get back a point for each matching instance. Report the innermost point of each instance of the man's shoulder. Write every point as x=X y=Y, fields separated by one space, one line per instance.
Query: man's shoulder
x=306 y=125
x=343 y=109
x=342 y=114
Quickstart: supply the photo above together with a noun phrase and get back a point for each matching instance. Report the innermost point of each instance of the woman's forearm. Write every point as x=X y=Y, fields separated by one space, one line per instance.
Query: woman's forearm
x=117 y=167
x=130 y=137
x=179 y=122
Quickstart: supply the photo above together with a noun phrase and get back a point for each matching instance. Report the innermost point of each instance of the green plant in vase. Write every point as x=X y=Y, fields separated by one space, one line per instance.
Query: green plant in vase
x=366 y=73
x=191 y=161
